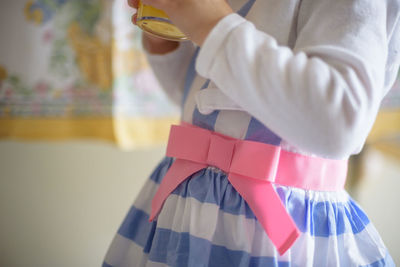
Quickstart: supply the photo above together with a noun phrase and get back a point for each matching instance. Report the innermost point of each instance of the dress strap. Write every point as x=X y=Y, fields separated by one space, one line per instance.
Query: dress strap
x=191 y=71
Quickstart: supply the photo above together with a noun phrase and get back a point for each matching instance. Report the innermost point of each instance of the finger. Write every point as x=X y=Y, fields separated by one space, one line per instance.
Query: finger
x=134 y=18
x=133 y=3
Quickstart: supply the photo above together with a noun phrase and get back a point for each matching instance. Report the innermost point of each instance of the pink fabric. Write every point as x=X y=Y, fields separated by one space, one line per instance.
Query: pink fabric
x=311 y=172
x=252 y=167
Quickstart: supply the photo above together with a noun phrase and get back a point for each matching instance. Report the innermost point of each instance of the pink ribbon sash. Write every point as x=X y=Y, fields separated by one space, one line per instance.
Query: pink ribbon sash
x=252 y=167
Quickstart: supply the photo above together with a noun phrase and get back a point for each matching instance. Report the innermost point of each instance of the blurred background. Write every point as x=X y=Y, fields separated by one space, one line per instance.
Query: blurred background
x=83 y=122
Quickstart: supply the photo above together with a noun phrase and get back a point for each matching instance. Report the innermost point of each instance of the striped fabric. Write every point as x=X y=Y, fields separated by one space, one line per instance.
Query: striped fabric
x=205 y=222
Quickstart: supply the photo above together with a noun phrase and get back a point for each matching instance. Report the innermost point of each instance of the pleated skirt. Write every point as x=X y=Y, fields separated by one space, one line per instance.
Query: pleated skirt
x=206 y=223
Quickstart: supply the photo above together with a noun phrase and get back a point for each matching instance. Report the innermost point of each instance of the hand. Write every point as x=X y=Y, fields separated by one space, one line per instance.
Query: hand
x=151 y=43
x=195 y=18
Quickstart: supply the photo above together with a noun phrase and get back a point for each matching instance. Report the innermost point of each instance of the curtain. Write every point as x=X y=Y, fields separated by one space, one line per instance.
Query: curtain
x=75 y=69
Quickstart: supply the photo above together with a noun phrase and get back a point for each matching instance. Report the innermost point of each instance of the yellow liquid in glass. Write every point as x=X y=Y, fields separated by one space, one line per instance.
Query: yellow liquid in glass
x=156 y=22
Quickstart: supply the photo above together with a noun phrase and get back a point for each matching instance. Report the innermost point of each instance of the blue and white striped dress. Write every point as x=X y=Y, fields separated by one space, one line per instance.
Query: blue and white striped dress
x=205 y=222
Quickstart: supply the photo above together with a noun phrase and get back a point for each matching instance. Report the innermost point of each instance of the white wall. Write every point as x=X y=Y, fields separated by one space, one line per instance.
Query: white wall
x=61 y=203
x=379 y=195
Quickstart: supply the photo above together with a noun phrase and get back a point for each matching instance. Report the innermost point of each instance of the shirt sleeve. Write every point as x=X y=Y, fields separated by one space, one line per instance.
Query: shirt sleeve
x=321 y=96
x=170 y=69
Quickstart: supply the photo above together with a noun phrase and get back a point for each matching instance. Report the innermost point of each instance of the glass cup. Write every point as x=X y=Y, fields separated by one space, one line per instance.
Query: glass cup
x=156 y=22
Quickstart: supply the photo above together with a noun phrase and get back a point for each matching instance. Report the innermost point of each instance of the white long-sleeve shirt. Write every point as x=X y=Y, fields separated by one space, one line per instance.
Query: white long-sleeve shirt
x=313 y=71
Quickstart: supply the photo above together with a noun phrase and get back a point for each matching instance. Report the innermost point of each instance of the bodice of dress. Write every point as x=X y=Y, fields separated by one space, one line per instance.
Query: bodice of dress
x=227 y=117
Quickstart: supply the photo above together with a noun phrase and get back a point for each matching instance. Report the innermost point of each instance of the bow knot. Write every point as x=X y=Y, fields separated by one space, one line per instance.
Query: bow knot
x=221 y=152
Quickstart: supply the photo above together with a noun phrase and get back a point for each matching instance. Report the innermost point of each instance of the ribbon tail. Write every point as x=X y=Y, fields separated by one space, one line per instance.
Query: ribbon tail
x=177 y=173
x=269 y=210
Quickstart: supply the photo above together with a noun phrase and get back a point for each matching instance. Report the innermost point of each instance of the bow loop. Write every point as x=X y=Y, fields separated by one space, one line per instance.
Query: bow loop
x=186 y=148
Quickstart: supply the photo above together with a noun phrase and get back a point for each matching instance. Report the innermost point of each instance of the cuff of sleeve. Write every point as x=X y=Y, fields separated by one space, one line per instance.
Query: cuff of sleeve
x=182 y=49
x=214 y=42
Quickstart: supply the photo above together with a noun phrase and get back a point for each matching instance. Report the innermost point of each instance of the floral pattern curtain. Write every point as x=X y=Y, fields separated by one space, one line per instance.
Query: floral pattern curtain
x=75 y=69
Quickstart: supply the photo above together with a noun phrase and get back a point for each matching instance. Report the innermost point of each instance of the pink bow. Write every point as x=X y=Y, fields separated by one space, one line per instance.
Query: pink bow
x=252 y=168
